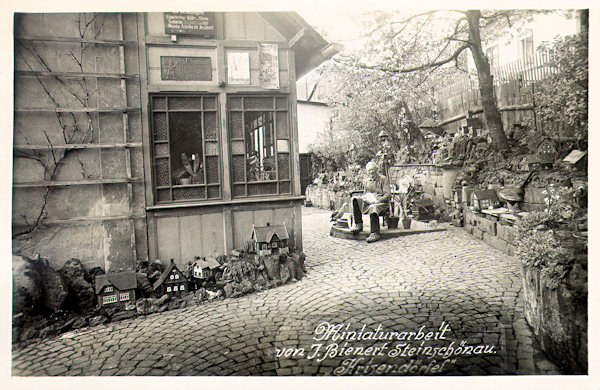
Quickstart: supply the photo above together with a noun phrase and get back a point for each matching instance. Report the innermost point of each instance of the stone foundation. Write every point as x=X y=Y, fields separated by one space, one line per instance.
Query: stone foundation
x=558 y=318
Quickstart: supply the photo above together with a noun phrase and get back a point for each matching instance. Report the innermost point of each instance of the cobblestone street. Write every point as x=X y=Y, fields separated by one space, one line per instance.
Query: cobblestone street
x=464 y=292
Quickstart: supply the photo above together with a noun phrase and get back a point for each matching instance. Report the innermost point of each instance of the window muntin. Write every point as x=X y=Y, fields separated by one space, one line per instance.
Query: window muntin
x=260 y=145
x=185 y=155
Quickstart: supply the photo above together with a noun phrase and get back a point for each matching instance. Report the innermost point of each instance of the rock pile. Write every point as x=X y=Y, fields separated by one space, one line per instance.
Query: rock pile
x=47 y=302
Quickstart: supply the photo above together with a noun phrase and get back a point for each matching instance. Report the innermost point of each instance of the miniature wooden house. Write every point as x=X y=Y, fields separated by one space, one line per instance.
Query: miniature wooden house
x=542 y=161
x=484 y=199
x=172 y=281
x=203 y=268
x=576 y=160
x=270 y=239
x=546 y=147
x=116 y=288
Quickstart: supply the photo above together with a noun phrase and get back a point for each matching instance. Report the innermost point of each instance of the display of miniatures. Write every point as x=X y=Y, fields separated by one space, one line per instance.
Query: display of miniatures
x=172 y=281
x=269 y=239
x=484 y=199
x=118 y=288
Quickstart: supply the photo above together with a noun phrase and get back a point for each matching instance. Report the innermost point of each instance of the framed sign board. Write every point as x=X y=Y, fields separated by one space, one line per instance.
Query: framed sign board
x=190 y=23
x=185 y=68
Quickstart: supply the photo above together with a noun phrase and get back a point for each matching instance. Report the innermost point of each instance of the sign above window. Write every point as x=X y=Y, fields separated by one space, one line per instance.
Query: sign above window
x=186 y=68
x=190 y=23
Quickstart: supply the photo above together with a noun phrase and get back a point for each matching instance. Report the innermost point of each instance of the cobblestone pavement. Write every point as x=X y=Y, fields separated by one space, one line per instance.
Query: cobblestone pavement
x=460 y=298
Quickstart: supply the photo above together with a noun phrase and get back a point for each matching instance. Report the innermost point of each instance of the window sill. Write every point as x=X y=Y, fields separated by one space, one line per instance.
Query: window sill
x=263 y=199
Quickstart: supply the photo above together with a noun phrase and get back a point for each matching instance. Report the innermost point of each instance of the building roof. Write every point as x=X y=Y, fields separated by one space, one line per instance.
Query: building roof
x=486 y=194
x=544 y=139
x=209 y=262
x=310 y=47
x=265 y=233
x=574 y=156
x=165 y=274
x=121 y=280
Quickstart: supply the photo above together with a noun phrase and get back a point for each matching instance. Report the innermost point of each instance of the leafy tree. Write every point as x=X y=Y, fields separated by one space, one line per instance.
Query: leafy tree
x=366 y=102
x=434 y=40
x=563 y=97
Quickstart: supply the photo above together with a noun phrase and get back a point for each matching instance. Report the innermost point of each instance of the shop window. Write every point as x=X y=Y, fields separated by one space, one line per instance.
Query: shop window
x=185 y=155
x=260 y=145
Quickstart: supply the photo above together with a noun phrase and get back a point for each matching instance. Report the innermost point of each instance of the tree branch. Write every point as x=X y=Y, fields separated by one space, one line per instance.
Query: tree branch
x=419 y=67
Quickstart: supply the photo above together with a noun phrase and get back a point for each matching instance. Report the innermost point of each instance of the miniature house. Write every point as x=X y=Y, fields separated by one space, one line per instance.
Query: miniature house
x=116 y=288
x=542 y=161
x=270 y=239
x=546 y=147
x=202 y=268
x=172 y=281
x=484 y=199
x=576 y=160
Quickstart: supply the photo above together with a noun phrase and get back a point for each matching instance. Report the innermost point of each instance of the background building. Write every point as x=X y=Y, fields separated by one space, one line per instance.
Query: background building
x=160 y=135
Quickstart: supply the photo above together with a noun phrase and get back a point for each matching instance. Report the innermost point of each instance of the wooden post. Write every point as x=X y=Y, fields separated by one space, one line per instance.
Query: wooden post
x=125 y=119
x=146 y=145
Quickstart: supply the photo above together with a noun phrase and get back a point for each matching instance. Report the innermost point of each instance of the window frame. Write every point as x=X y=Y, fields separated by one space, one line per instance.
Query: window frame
x=284 y=186
x=108 y=299
x=154 y=158
x=526 y=44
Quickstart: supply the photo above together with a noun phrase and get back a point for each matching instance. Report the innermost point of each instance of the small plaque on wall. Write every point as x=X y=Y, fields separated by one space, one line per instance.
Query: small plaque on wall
x=186 y=68
x=190 y=23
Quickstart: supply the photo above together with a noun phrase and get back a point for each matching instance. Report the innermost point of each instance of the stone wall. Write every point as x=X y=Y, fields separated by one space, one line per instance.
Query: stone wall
x=558 y=317
x=497 y=234
x=428 y=176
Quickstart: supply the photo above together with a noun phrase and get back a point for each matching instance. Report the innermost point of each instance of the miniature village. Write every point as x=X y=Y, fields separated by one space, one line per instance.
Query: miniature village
x=50 y=302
